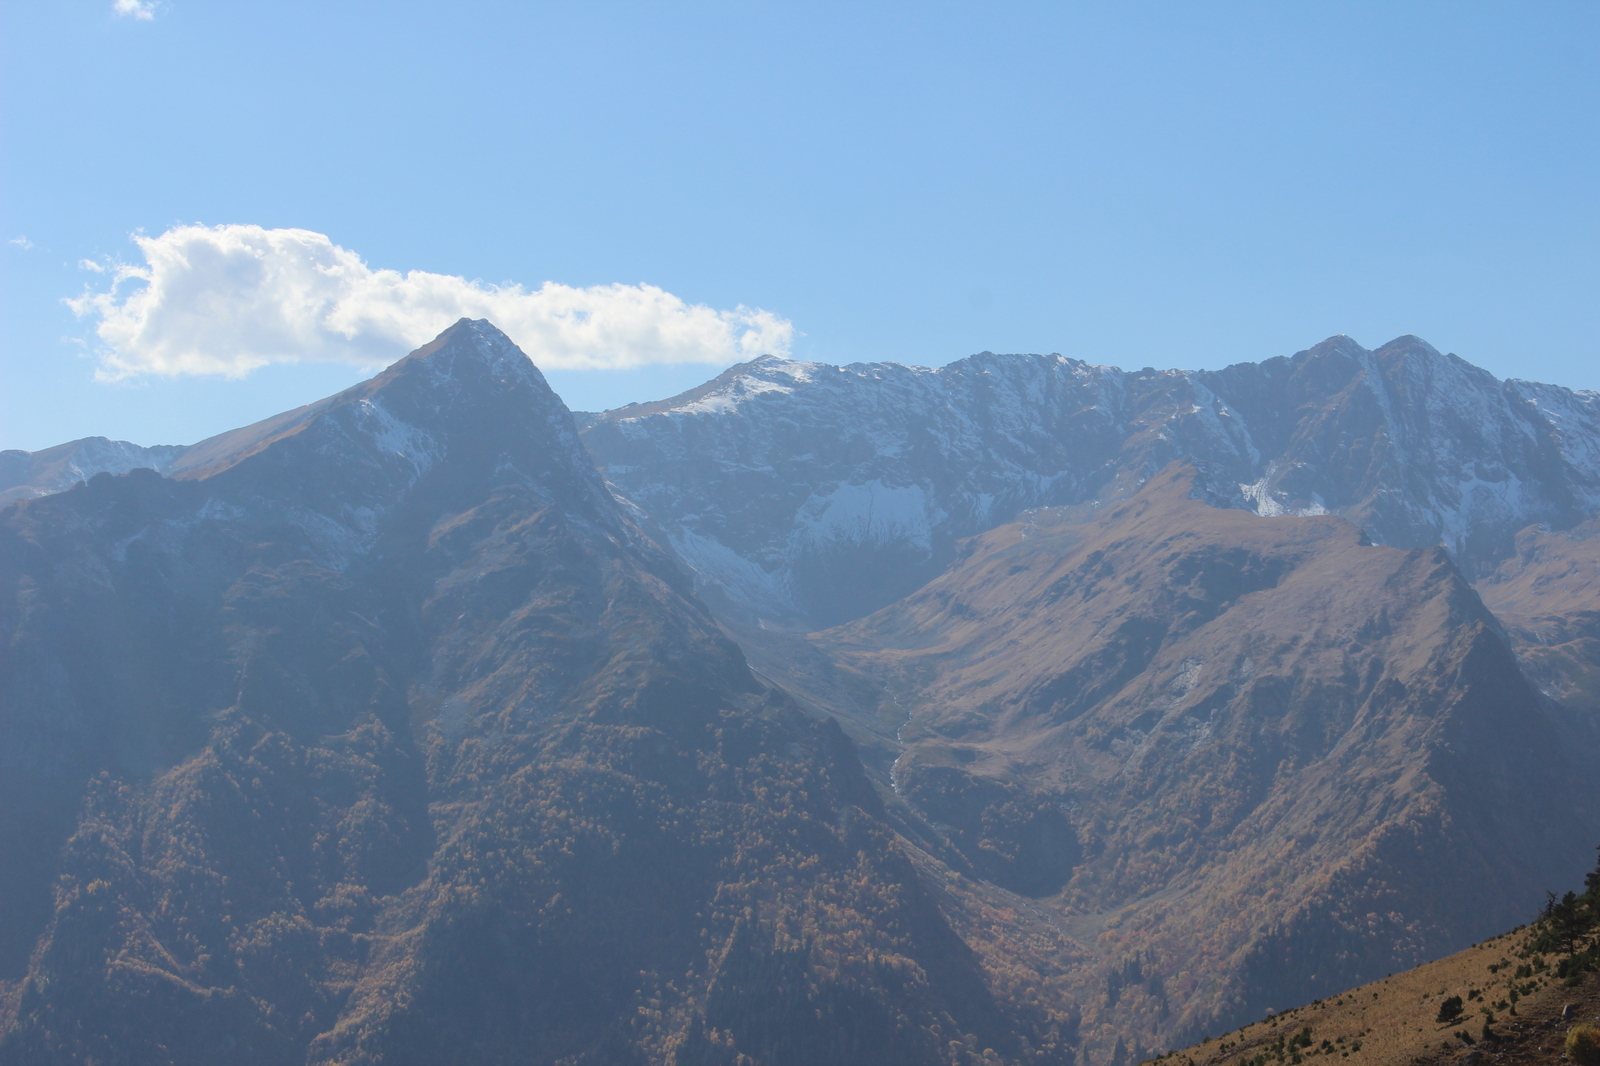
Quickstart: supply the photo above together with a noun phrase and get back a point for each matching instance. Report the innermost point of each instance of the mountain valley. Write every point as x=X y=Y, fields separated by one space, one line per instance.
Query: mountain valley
x=1020 y=711
x=1267 y=737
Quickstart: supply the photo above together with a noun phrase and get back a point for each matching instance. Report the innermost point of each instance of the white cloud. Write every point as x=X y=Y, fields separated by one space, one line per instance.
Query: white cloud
x=21 y=242
x=90 y=264
x=228 y=299
x=139 y=9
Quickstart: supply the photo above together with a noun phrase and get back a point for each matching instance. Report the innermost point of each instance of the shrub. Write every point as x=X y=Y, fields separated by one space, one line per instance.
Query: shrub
x=1449 y=1010
x=1583 y=1045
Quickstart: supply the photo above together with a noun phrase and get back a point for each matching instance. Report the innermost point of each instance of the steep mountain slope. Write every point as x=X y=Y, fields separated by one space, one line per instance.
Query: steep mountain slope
x=380 y=734
x=819 y=493
x=1241 y=760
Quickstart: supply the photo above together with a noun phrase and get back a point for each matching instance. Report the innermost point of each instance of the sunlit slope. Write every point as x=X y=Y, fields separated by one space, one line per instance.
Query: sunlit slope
x=1515 y=998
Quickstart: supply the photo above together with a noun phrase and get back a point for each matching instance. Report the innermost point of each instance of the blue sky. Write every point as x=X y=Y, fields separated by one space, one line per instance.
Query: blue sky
x=1141 y=184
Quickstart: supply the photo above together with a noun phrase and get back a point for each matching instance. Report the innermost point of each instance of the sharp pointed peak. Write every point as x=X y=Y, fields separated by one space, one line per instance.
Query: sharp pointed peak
x=463 y=366
x=472 y=349
x=474 y=334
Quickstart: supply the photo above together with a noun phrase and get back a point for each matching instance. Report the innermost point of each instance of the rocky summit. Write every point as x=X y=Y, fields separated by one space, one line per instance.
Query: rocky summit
x=1024 y=711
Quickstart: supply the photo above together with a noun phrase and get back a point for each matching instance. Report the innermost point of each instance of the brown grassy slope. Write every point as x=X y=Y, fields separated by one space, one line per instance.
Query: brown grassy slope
x=1394 y=1021
x=1287 y=759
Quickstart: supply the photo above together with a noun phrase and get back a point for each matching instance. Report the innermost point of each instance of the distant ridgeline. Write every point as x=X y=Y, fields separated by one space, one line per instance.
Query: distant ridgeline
x=795 y=488
x=1021 y=712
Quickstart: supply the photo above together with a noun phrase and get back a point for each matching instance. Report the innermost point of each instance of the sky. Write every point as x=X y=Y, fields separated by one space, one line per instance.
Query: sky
x=213 y=211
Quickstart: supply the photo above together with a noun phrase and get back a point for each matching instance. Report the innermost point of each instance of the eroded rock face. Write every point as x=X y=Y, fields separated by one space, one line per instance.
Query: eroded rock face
x=819 y=493
x=379 y=733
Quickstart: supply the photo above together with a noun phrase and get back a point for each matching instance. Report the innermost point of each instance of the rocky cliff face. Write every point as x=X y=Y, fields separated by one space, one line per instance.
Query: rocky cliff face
x=819 y=493
x=379 y=733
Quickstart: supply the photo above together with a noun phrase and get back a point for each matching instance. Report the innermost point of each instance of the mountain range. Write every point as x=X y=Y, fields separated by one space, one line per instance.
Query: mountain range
x=825 y=492
x=1023 y=710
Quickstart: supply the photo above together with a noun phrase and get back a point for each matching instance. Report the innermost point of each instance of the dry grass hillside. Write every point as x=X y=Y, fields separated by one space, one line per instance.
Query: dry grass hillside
x=1395 y=1021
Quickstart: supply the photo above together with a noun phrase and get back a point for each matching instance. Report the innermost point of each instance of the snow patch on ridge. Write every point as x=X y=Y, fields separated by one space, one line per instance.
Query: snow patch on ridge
x=393 y=437
x=749 y=386
x=869 y=460
x=866 y=513
x=741 y=579
x=1260 y=496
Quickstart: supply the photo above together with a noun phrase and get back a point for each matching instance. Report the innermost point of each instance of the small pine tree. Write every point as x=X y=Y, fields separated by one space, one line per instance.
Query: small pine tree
x=1449 y=1010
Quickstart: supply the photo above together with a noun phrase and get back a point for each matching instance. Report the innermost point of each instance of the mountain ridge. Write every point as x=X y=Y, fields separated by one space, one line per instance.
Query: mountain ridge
x=790 y=481
x=386 y=730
